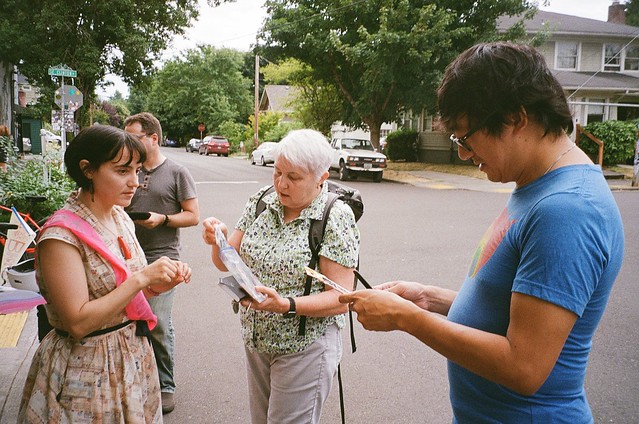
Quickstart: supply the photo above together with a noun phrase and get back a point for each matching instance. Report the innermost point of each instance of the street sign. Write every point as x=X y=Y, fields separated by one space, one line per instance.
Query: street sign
x=201 y=127
x=63 y=72
x=72 y=97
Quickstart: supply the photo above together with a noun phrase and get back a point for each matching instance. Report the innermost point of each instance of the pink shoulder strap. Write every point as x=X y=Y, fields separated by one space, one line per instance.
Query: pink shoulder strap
x=138 y=308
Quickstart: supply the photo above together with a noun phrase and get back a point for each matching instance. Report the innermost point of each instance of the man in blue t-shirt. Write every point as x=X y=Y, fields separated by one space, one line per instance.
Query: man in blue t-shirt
x=519 y=331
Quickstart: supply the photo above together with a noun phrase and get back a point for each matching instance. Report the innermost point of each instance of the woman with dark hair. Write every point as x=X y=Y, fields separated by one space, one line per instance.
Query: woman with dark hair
x=97 y=365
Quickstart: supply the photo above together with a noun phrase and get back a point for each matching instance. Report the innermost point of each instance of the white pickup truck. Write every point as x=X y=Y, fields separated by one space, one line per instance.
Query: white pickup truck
x=354 y=155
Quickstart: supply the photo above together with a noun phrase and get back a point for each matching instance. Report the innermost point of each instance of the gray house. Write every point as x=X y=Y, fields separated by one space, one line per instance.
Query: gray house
x=279 y=99
x=596 y=62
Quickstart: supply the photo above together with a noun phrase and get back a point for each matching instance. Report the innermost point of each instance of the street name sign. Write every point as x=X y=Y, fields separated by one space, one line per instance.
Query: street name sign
x=63 y=72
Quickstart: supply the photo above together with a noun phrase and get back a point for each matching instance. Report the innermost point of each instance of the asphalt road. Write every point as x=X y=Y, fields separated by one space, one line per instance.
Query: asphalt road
x=408 y=233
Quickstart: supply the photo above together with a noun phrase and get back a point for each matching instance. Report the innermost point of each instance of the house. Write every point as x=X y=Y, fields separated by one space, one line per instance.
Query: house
x=596 y=62
x=279 y=99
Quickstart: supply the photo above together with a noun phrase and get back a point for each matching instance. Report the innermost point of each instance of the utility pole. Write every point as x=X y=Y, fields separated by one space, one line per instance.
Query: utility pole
x=257 y=102
x=635 y=168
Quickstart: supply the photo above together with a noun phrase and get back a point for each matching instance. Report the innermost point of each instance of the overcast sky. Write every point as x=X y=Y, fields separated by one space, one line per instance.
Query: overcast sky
x=235 y=25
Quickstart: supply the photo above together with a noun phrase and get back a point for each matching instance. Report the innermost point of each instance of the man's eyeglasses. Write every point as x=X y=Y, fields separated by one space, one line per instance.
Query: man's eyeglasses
x=461 y=142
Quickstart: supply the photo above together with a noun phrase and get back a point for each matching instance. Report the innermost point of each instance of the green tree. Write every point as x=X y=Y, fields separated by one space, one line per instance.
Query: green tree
x=318 y=104
x=236 y=133
x=138 y=94
x=206 y=85
x=383 y=56
x=94 y=37
x=632 y=12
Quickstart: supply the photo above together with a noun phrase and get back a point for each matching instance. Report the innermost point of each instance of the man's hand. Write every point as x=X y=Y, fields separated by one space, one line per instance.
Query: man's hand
x=378 y=310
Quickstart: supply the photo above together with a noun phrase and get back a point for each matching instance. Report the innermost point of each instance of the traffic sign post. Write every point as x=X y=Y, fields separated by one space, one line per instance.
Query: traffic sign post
x=63 y=72
x=68 y=98
x=201 y=129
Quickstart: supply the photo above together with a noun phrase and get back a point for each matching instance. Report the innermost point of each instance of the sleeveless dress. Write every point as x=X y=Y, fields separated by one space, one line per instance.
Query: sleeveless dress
x=110 y=378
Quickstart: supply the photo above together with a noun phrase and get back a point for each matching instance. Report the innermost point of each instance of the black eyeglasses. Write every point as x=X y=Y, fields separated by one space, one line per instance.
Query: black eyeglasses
x=461 y=142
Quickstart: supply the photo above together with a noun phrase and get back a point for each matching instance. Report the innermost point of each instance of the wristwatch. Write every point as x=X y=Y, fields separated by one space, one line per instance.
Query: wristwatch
x=166 y=220
x=291 y=309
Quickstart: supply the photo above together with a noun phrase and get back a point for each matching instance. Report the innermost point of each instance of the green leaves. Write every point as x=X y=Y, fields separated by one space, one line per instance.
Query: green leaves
x=27 y=177
x=382 y=56
x=619 y=138
x=94 y=37
x=205 y=85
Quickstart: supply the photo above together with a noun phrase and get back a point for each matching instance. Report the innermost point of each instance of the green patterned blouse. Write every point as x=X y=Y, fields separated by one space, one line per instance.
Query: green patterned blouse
x=277 y=253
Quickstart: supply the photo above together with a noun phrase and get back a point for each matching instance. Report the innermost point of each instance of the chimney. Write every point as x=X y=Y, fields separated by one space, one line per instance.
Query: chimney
x=617 y=13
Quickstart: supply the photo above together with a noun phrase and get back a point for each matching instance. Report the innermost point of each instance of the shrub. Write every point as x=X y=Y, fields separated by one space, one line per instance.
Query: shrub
x=279 y=131
x=402 y=145
x=235 y=133
x=619 y=139
x=27 y=177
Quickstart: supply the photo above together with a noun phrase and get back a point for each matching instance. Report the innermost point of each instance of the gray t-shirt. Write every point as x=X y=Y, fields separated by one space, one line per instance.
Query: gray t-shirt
x=161 y=190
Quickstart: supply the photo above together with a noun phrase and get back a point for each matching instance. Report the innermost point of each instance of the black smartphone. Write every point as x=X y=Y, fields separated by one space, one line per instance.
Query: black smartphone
x=139 y=216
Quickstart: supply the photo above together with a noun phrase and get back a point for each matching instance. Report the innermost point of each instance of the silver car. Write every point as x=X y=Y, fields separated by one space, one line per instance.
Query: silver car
x=193 y=145
x=264 y=153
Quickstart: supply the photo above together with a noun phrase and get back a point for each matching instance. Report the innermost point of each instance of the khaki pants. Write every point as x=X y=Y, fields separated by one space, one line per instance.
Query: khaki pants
x=292 y=388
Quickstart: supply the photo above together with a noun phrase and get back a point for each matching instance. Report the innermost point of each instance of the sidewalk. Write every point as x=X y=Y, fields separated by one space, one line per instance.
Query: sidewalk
x=15 y=362
x=14 y=366
x=446 y=181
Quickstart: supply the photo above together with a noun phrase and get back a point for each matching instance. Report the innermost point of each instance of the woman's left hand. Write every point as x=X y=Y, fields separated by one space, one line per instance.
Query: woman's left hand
x=273 y=302
x=183 y=275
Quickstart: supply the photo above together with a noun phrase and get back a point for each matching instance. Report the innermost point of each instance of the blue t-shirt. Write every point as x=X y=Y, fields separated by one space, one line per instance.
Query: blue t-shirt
x=560 y=239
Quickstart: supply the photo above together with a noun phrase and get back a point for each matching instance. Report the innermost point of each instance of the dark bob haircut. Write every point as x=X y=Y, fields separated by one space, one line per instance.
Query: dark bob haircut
x=490 y=83
x=99 y=144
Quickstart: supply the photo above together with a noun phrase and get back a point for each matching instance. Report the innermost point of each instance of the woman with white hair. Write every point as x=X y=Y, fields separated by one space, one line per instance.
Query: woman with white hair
x=289 y=374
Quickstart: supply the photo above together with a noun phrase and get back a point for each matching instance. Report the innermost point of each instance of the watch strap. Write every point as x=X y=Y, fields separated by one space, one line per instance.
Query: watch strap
x=292 y=311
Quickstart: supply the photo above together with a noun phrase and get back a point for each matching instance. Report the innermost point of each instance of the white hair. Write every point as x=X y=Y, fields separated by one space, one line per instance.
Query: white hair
x=307 y=149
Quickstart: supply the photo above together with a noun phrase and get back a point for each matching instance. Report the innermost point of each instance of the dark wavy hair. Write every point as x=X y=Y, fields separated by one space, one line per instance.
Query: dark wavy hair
x=99 y=144
x=490 y=83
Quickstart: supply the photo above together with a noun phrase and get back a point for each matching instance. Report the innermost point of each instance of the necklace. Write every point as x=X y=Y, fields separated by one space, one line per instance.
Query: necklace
x=124 y=249
x=559 y=157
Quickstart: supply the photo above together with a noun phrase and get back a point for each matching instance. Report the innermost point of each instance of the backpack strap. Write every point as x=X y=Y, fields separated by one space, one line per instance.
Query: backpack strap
x=315 y=239
x=261 y=204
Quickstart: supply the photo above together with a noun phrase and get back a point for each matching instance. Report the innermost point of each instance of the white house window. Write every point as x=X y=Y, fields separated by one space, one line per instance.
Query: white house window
x=631 y=62
x=567 y=53
x=612 y=57
x=595 y=110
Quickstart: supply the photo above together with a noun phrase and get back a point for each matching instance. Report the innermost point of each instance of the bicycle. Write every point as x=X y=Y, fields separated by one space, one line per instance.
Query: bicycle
x=35 y=225
x=22 y=275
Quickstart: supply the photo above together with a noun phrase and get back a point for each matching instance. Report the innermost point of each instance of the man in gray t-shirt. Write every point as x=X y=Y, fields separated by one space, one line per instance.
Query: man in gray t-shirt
x=167 y=191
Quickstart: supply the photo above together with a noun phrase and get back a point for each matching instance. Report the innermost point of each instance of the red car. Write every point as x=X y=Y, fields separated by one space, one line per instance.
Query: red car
x=214 y=144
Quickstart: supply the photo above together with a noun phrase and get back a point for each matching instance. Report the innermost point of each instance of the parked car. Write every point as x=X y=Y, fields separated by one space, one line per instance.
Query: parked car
x=214 y=144
x=47 y=136
x=193 y=145
x=263 y=154
x=171 y=143
x=353 y=156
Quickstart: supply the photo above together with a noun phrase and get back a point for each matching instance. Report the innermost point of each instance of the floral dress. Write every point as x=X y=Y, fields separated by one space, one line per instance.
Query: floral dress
x=110 y=378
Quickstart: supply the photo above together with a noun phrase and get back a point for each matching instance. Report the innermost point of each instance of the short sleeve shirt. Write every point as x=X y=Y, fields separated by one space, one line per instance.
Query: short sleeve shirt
x=277 y=253
x=559 y=239
x=162 y=190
